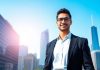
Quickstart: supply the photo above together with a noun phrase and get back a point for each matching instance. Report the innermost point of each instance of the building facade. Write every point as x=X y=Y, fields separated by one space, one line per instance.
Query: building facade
x=23 y=51
x=95 y=41
x=9 y=46
x=96 y=59
x=30 y=62
x=43 y=43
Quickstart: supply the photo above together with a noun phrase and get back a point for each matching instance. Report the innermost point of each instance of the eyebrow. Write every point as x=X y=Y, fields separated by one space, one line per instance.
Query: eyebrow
x=64 y=17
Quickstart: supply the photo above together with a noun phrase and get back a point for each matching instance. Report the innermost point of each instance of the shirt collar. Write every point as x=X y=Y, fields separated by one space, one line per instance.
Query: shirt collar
x=68 y=36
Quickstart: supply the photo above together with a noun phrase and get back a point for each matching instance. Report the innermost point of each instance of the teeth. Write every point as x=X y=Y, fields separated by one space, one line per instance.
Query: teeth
x=63 y=25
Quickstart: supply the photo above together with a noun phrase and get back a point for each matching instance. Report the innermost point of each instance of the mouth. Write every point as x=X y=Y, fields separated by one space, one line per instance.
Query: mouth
x=63 y=25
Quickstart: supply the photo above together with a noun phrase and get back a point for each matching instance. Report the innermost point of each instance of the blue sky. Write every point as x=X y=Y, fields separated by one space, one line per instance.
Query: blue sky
x=30 y=17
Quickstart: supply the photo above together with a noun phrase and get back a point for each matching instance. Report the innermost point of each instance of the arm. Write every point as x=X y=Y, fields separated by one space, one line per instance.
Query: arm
x=47 y=59
x=87 y=60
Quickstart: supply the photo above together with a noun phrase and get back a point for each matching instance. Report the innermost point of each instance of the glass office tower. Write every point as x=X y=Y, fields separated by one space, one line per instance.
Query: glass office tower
x=95 y=41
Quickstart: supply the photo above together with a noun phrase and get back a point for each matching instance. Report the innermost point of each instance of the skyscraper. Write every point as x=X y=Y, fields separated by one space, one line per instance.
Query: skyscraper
x=30 y=62
x=43 y=43
x=96 y=59
x=23 y=51
x=95 y=41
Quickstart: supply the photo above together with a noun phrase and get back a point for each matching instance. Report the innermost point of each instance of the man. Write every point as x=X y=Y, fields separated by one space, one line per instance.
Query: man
x=67 y=52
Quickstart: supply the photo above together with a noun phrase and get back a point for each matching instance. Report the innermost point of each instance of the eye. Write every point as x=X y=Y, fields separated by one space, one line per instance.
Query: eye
x=65 y=19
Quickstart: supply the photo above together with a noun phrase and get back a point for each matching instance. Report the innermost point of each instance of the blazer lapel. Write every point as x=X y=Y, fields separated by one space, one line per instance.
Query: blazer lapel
x=71 y=47
x=52 y=47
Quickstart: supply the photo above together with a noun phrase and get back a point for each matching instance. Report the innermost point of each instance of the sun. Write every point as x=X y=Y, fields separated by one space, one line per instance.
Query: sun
x=30 y=37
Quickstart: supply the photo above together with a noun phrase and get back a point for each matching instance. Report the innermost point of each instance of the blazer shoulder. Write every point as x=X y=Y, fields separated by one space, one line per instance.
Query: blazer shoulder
x=53 y=41
x=80 y=38
x=83 y=39
x=81 y=42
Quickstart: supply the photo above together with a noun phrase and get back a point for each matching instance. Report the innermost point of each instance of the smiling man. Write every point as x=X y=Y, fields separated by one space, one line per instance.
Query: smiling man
x=67 y=52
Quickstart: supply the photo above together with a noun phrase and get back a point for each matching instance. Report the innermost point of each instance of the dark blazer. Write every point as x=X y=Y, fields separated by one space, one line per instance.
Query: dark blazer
x=78 y=55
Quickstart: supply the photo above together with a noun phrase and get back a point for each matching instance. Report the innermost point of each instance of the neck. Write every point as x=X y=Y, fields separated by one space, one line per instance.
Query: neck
x=63 y=34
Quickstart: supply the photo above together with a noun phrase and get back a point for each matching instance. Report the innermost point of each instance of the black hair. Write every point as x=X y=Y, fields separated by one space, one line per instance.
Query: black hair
x=63 y=10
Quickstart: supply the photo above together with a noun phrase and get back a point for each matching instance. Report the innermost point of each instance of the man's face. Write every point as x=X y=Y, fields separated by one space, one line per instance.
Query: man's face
x=63 y=22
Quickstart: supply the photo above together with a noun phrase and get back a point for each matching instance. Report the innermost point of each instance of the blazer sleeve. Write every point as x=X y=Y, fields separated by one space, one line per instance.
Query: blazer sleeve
x=47 y=65
x=87 y=60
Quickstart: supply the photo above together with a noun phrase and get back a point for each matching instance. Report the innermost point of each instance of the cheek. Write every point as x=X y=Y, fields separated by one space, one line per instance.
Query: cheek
x=70 y=23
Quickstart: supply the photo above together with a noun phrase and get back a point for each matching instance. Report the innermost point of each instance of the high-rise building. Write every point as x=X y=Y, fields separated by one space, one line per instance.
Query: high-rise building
x=96 y=59
x=43 y=43
x=23 y=51
x=30 y=62
x=95 y=41
x=35 y=61
x=9 y=46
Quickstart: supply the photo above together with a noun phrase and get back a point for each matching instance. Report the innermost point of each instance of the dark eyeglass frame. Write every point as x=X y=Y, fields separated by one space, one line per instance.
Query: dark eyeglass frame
x=65 y=19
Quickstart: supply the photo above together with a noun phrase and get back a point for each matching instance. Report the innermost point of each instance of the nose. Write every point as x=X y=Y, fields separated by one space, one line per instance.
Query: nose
x=63 y=21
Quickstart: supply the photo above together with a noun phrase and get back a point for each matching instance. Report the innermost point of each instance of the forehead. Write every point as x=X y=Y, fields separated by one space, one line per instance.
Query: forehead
x=63 y=15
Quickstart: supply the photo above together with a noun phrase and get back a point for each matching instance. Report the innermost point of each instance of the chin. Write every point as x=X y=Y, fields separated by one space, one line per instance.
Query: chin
x=63 y=29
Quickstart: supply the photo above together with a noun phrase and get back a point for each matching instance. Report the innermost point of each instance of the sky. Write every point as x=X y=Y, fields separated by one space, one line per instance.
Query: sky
x=31 y=17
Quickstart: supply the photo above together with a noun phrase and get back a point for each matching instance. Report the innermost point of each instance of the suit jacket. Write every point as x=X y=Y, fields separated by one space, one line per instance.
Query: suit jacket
x=78 y=54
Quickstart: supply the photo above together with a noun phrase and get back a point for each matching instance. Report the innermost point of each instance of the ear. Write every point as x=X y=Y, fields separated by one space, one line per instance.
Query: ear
x=56 y=22
x=70 y=22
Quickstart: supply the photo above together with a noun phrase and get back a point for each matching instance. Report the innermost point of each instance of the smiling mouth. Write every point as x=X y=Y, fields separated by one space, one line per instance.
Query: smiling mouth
x=63 y=25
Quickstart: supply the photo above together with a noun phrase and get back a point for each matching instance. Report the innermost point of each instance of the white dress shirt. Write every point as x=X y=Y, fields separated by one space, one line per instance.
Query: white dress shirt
x=61 y=53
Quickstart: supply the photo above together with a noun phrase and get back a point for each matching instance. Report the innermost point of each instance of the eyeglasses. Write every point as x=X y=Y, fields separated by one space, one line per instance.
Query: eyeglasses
x=65 y=19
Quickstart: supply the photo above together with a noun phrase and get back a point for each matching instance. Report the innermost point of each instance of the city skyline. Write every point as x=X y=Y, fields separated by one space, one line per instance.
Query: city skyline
x=30 y=18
